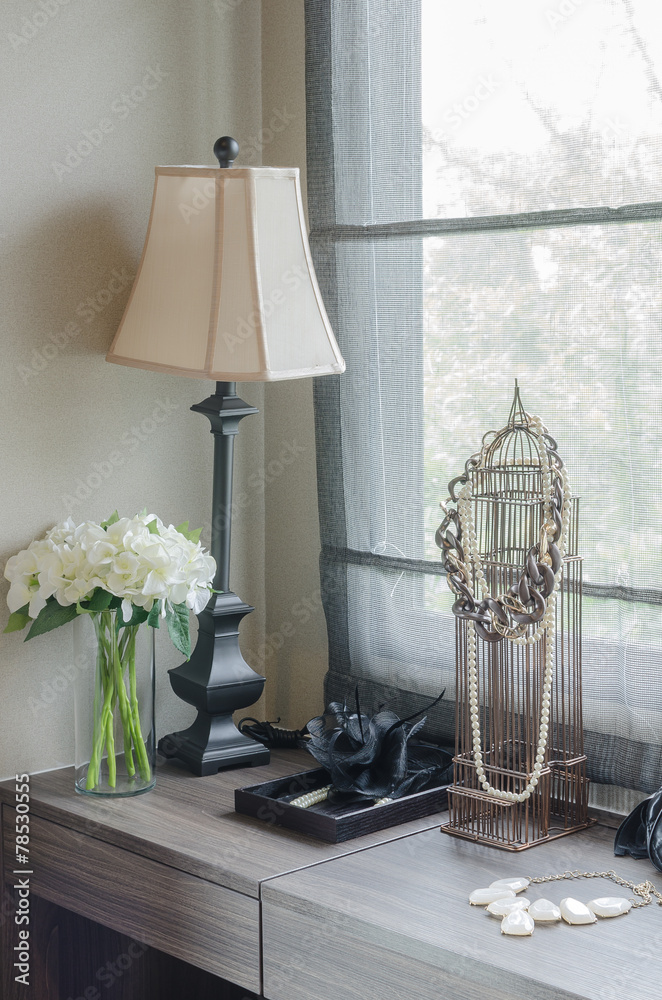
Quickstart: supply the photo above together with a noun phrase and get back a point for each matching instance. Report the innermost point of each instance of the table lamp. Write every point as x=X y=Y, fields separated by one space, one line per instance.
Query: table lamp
x=226 y=290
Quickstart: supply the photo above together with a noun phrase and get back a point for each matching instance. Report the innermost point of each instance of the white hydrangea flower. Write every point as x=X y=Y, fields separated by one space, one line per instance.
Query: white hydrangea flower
x=22 y=571
x=125 y=559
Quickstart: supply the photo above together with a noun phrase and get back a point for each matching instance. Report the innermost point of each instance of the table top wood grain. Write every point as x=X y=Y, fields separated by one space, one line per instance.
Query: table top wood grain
x=190 y=823
x=400 y=912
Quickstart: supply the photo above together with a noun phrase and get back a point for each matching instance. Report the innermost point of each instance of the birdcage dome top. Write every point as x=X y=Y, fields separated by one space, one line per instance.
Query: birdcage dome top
x=513 y=448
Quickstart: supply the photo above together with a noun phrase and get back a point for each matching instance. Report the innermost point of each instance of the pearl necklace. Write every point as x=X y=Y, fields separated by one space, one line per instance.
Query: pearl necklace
x=519 y=915
x=547 y=626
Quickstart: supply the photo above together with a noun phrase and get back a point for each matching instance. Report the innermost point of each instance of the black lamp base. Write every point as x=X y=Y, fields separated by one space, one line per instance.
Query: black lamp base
x=212 y=743
x=217 y=681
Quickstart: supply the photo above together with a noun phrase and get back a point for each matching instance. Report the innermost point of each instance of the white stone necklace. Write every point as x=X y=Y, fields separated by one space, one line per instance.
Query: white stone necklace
x=520 y=915
x=546 y=628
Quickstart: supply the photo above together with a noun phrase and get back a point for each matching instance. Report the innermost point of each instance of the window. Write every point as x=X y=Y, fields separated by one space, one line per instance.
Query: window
x=485 y=188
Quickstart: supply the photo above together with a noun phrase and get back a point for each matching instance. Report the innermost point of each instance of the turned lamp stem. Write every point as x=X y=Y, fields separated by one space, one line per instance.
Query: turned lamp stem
x=217 y=680
x=221 y=525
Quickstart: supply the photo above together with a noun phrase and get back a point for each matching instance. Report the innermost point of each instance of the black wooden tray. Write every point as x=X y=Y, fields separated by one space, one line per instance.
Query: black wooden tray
x=329 y=821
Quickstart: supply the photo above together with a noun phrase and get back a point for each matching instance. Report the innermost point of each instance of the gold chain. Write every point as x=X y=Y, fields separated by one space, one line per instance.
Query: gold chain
x=643 y=890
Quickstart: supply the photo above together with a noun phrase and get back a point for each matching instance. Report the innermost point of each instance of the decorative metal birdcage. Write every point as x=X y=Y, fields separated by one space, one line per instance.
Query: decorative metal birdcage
x=509 y=543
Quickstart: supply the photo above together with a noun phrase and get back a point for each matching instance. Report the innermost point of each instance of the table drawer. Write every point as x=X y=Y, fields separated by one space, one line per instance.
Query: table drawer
x=204 y=924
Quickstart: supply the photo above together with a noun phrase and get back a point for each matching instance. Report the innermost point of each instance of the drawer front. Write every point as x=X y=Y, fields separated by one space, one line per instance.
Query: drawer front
x=311 y=955
x=204 y=924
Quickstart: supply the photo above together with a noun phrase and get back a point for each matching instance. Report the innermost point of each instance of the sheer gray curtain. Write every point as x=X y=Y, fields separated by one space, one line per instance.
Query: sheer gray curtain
x=458 y=159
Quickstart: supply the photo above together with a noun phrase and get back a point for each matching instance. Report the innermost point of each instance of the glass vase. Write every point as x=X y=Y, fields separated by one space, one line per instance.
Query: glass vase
x=113 y=706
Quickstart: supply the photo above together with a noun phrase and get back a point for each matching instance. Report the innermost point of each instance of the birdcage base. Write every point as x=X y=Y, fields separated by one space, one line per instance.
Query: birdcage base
x=553 y=834
x=558 y=806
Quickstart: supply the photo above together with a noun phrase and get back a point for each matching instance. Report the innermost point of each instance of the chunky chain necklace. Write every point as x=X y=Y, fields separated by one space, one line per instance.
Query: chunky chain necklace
x=520 y=915
x=508 y=616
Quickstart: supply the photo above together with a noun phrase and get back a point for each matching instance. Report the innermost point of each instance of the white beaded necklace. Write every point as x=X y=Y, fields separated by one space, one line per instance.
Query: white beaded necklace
x=547 y=626
x=519 y=915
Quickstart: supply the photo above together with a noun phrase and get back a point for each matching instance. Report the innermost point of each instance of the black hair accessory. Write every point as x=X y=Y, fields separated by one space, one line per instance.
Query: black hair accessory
x=374 y=757
x=640 y=833
x=270 y=735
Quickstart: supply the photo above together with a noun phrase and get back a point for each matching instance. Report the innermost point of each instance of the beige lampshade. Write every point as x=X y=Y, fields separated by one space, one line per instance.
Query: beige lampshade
x=226 y=288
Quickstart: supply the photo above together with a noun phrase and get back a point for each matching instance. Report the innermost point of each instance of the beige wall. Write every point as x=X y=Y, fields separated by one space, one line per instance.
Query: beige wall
x=295 y=651
x=73 y=221
x=65 y=232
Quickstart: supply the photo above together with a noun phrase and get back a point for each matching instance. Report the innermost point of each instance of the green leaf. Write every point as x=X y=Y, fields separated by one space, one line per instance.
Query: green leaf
x=18 y=619
x=193 y=535
x=99 y=600
x=50 y=617
x=143 y=512
x=152 y=527
x=138 y=616
x=154 y=616
x=177 y=617
x=113 y=519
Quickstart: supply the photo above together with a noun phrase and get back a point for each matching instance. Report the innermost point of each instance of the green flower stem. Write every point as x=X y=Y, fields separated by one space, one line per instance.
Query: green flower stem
x=118 y=648
x=116 y=656
x=96 y=716
x=124 y=641
x=103 y=725
x=141 y=753
x=110 y=743
x=125 y=711
x=101 y=722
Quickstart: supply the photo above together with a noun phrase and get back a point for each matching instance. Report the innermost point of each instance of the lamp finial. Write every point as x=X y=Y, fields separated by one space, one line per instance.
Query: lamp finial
x=225 y=150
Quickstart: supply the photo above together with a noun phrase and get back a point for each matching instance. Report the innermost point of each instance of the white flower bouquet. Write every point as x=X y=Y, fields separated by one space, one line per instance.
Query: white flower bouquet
x=123 y=572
